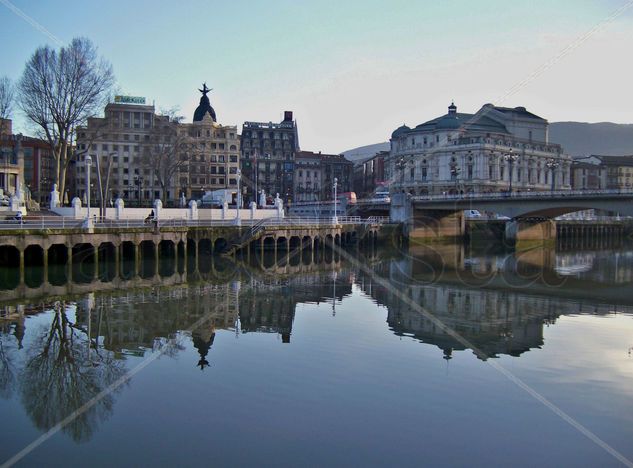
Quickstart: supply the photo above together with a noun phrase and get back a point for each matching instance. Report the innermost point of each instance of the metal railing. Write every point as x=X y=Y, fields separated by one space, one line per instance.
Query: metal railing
x=44 y=222
x=524 y=195
x=69 y=223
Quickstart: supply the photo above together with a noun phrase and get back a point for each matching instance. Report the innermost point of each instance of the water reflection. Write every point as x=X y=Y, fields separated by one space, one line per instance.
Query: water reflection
x=59 y=373
x=58 y=360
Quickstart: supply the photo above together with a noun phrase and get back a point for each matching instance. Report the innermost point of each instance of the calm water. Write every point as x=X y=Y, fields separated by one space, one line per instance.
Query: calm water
x=339 y=361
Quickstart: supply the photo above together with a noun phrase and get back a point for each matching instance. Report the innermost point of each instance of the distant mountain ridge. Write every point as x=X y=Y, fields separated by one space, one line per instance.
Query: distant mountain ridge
x=576 y=138
x=364 y=152
x=583 y=139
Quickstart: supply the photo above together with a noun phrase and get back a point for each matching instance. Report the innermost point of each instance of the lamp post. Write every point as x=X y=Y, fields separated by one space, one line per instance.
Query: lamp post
x=455 y=171
x=239 y=196
x=511 y=158
x=88 y=166
x=335 y=219
x=552 y=165
x=138 y=180
x=401 y=164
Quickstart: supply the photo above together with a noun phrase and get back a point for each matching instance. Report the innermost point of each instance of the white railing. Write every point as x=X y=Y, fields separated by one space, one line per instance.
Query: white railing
x=377 y=220
x=45 y=222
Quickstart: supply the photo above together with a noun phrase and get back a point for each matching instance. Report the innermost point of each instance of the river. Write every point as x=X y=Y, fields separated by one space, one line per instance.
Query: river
x=441 y=355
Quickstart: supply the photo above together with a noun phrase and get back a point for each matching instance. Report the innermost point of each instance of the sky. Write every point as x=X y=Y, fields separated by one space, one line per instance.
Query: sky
x=351 y=70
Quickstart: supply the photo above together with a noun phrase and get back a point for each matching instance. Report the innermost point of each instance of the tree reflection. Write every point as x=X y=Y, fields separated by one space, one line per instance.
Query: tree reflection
x=63 y=373
x=7 y=366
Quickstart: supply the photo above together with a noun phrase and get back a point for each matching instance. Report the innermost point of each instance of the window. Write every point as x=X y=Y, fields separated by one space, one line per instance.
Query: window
x=233 y=158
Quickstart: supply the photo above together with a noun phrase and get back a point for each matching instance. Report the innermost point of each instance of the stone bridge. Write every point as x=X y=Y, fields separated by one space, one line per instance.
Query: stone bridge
x=530 y=215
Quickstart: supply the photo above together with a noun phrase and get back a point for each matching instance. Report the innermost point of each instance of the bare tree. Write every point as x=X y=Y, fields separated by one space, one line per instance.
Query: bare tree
x=59 y=91
x=7 y=94
x=169 y=150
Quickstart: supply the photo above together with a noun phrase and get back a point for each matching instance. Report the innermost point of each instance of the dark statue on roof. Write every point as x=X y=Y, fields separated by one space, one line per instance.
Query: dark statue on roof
x=204 y=89
x=205 y=105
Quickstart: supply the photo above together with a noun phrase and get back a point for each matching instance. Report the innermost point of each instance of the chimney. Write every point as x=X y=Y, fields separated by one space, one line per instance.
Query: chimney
x=5 y=127
x=287 y=116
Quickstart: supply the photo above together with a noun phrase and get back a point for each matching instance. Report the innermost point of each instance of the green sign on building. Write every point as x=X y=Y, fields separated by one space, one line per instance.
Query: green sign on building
x=129 y=100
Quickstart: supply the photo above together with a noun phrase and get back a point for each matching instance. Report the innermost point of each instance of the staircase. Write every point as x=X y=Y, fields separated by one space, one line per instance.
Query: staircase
x=244 y=239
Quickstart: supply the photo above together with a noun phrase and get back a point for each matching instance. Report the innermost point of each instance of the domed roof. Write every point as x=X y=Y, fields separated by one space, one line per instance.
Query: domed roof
x=400 y=131
x=448 y=122
x=204 y=107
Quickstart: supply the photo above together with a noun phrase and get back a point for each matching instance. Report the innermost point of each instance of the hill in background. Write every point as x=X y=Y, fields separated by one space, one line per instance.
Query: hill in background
x=582 y=139
x=577 y=139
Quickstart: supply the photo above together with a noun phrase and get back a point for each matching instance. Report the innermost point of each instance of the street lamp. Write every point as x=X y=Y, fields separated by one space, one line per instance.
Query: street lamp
x=138 y=180
x=335 y=219
x=511 y=158
x=88 y=166
x=401 y=164
x=239 y=195
x=455 y=171
x=552 y=165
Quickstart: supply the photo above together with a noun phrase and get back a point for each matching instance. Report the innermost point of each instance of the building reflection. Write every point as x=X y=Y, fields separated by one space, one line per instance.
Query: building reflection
x=92 y=335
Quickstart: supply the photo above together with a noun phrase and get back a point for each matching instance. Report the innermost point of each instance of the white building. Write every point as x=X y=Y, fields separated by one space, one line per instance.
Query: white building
x=497 y=149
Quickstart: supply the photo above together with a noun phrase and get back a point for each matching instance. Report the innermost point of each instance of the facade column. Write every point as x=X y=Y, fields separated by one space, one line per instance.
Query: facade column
x=21 y=252
x=117 y=260
x=95 y=253
x=184 y=251
x=275 y=257
x=69 y=263
x=196 y=256
x=176 y=257
x=137 y=259
x=45 y=262
x=156 y=257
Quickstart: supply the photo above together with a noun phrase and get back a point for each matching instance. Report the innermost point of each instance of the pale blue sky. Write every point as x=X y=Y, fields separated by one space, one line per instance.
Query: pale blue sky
x=352 y=71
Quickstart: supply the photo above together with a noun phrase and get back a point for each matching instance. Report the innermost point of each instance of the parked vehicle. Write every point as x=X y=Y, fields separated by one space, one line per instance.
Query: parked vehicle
x=349 y=197
x=382 y=194
x=472 y=214
x=216 y=198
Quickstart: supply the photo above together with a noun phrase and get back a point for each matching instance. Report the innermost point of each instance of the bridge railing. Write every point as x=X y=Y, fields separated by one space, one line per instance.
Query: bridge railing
x=522 y=195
